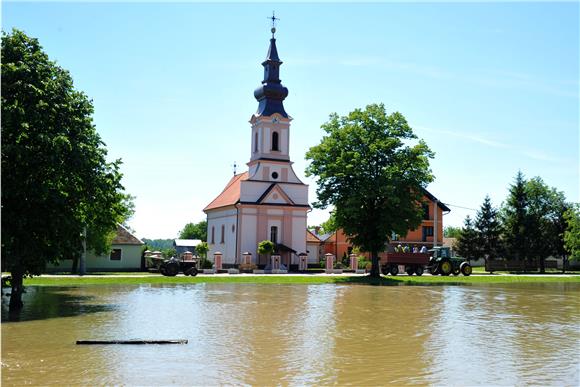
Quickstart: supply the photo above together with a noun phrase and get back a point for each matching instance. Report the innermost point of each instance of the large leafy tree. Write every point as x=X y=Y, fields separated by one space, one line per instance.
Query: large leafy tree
x=467 y=242
x=194 y=231
x=572 y=232
x=546 y=208
x=488 y=228
x=371 y=172
x=56 y=181
x=516 y=220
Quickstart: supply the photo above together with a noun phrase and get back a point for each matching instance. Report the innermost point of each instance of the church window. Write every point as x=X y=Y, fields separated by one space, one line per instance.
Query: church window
x=212 y=235
x=275 y=145
x=274 y=175
x=223 y=232
x=274 y=234
x=256 y=142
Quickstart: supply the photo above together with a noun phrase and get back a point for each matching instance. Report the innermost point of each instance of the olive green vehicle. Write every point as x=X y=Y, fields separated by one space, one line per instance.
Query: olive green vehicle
x=441 y=262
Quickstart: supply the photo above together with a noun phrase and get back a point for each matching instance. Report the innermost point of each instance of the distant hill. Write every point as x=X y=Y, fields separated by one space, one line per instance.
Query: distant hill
x=158 y=244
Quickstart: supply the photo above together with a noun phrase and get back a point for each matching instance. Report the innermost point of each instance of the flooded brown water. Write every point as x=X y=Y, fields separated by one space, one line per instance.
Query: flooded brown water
x=245 y=334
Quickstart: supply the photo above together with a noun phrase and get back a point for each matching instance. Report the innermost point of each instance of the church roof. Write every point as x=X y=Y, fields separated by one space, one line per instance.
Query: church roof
x=271 y=93
x=230 y=195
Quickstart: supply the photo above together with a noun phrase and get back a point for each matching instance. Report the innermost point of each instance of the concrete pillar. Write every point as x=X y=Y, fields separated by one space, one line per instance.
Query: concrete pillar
x=275 y=259
x=302 y=262
x=353 y=262
x=329 y=261
x=246 y=258
x=217 y=260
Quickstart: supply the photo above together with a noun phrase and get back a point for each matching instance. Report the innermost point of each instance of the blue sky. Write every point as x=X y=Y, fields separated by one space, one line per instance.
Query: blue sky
x=492 y=87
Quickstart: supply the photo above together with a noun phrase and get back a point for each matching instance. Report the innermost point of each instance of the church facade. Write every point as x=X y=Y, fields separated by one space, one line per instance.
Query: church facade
x=267 y=202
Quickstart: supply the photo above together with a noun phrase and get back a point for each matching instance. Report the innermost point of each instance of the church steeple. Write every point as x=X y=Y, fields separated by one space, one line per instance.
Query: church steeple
x=271 y=94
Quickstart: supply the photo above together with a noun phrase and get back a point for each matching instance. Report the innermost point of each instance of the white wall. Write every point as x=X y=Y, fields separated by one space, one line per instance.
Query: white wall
x=130 y=260
x=216 y=219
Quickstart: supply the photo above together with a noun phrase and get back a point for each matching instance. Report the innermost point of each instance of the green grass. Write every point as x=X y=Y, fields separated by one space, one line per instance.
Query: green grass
x=294 y=279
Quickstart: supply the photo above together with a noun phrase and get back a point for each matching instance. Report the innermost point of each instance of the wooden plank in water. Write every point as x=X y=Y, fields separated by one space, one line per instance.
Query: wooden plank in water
x=91 y=342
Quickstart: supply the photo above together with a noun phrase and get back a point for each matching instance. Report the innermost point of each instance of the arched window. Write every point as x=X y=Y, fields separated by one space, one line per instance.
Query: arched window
x=212 y=235
x=256 y=142
x=275 y=146
x=274 y=234
x=223 y=232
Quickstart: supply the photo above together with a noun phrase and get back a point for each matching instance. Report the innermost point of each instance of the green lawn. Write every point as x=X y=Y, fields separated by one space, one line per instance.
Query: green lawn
x=294 y=279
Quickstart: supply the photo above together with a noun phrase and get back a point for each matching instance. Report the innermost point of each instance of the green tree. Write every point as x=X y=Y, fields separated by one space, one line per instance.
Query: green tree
x=266 y=247
x=56 y=181
x=488 y=230
x=202 y=249
x=451 y=232
x=572 y=233
x=194 y=231
x=516 y=220
x=329 y=225
x=368 y=170
x=467 y=240
x=546 y=207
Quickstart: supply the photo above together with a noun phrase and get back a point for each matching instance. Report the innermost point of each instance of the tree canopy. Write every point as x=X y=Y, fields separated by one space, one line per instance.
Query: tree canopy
x=374 y=177
x=488 y=228
x=56 y=180
x=572 y=233
x=194 y=231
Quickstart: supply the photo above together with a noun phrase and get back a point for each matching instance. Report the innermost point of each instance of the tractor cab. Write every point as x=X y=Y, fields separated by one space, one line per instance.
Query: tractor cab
x=440 y=252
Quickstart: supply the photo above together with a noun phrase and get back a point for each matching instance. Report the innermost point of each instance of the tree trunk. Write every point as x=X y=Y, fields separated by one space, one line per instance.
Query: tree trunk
x=375 y=270
x=542 y=265
x=75 y=266
x=17 y=290
x=564 y=263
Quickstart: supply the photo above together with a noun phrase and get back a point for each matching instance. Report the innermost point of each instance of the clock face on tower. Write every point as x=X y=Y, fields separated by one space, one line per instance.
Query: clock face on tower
x=274 y=120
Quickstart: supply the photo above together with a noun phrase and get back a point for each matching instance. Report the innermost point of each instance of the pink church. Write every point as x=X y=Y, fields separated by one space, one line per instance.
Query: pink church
x=267 y=202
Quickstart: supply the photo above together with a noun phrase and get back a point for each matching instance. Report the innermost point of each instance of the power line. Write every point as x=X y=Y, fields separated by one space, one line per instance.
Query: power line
x=456 y=206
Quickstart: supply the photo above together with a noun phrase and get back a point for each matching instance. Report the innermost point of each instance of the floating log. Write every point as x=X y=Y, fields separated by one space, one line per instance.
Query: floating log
x=91 y=342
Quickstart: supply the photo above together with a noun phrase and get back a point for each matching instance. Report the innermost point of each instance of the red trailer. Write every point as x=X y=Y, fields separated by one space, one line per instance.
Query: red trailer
x=410 y=262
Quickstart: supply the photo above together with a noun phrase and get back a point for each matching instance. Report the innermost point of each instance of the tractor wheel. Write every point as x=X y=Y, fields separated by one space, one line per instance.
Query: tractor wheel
x=171 y=270
x=193 y=271
x=394 y=270
x=419 y=270
x=410 y=270
x=465 y=268
x=434 y=270
x=446 y=268
x=456 y=271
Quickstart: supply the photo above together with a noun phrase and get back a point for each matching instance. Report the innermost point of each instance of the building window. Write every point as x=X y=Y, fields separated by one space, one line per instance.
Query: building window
x=223 y=232
x=212 y=235
x=256 y=142
x=427 y=232
x=274 y=234
x=425 y=211
x=115 y=255
x=275 y=141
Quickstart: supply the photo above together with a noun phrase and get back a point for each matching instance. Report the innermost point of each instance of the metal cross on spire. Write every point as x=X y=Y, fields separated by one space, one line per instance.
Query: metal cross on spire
x=273 y=18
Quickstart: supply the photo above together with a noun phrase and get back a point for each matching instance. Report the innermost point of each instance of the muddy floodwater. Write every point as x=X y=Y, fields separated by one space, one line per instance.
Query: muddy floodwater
x=249 y=334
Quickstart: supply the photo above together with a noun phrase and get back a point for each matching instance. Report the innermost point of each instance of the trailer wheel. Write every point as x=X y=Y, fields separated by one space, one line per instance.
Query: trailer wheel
x=465 y=268
x=394 y=270
x=446 y=268
x=385 y=269
x=410 y=270
x=419 y=270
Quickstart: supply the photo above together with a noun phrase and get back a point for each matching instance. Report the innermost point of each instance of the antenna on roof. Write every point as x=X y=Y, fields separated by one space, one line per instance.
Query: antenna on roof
x=235 y=166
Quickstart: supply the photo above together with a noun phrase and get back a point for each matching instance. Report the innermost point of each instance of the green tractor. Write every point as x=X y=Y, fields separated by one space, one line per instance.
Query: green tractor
x=441 y=262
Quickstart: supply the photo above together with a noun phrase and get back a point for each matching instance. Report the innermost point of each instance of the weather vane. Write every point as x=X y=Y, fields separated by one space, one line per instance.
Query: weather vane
x=273 y=18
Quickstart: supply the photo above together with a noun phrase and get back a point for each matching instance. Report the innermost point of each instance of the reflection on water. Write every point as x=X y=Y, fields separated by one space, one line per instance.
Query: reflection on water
x=296 y=335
